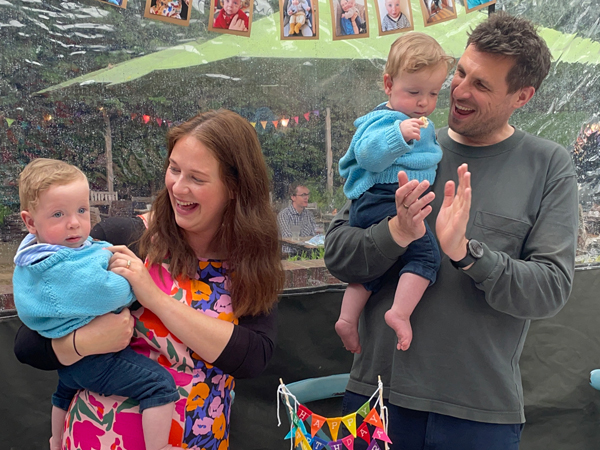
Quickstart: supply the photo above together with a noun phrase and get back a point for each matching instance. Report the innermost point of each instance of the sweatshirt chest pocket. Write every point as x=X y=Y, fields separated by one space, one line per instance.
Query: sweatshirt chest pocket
x=500 y=233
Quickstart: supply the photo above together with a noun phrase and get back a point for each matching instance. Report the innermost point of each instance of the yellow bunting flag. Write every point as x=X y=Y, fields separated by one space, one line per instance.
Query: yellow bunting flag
x=316 y=424
x=304 y=443
x=334 y=426
x=364 y=409
x=298 y=437
x=263 y=123
x=253 y=124
x=350 y=422
x=374 y=419
x=9 y=121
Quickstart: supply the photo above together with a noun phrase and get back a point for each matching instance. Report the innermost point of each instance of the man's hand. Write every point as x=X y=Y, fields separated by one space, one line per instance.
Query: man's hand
x=237 y=24
x=451 y=224
x=411 y=129
x=408 y=226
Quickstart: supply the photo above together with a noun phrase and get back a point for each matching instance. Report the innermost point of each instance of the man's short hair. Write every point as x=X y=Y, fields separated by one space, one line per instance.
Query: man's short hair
x=39 y=175
x=293 y=188
x=413 y=52
x=516 y=38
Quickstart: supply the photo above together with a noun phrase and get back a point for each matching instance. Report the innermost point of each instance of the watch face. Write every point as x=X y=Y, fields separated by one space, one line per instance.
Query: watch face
x=475 y=248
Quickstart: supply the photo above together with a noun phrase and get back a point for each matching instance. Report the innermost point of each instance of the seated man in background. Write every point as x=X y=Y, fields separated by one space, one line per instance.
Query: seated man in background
x=296 y=214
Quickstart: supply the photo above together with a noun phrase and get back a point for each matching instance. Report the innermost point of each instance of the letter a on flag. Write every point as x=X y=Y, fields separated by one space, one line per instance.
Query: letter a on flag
x=317 y=422
x=381 y=435
x=363 y=433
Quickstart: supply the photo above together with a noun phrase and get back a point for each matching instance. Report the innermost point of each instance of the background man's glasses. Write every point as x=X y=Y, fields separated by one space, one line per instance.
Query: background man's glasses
x=301 y=195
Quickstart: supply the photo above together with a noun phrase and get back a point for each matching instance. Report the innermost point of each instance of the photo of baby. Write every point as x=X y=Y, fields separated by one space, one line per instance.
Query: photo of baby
x=350 y=18
x=119 y=3
x=395 y=16
x=298 y=19
x=231 y=16
x=475 y=5
x=172 y=11
x=437 y=11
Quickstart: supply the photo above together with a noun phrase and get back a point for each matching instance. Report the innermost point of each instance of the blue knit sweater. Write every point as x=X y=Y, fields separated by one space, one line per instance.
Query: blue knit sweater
x=378 y=152
x=68 y=288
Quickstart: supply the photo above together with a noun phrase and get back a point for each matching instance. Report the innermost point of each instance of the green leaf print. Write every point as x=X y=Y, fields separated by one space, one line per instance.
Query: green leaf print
x=108 y=419
x=171 y=351
x=179 y=295
x=127 y=404
x=142 y=329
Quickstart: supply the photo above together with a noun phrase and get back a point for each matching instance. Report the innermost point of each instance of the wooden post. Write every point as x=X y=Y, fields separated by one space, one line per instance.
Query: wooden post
x=329 y=153
x=110 y=178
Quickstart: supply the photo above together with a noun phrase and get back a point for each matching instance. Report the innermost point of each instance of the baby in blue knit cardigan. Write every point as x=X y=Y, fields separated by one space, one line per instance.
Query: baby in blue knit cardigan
x=61 y=282
x=396 y=136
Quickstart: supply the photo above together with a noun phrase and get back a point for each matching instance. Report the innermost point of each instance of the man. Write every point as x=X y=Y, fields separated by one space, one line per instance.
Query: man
x=296 y=214
x=509 y=251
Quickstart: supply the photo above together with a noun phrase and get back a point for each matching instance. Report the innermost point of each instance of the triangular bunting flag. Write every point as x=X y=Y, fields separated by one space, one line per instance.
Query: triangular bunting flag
x=146 y=118
x=296 y=119
x=285 y=122
x=253 y=124
x=363 y=433
x=334 y=426
x=9 y=121
x=298 y=437
x=336 y=445
x=263 y=123
x=316 y=113
x=169 y=123
x=133 y=116
x=306 y=115
x=374 y=419
x=373 y=445
x=350 y=422
x=304 y=445
x=275 y=123
x=159 y=121
x=381 y=435
x=316 y=424
x=303 y=412
x=364 y=409
x=349 y=442
x=318 y=443
x=291 y=433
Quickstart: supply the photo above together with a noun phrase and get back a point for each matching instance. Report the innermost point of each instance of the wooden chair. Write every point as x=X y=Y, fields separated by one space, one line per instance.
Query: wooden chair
x=102 y=198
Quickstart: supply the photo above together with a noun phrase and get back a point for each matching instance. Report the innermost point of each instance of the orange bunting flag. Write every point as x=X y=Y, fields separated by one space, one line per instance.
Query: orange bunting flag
x=350 y=422
x=146 y=118
x=363 y=433
x=275 y=123
x=263 y=123
x=364 y=409
x=303 y=412
x=317 y=422
x=133 y=116
x=381 y=435
x=159 y=121
x=374 y=419
x=349 y=442
x=296 y=119
x=298 y=437
x=334 y=426
x=306 y=116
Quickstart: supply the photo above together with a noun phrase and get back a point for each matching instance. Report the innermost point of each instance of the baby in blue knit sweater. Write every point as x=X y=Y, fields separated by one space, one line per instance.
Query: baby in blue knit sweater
x=396 y=136
x=61 y=283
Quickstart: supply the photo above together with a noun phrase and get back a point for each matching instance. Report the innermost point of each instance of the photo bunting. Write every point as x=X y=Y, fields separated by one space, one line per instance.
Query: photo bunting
x=231 y=17
x=437 y=11
x=171 y=11
x=394 y=16
x=475 y=5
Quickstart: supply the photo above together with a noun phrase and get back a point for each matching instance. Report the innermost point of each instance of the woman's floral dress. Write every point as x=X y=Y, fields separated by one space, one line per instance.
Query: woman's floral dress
x=201 y=416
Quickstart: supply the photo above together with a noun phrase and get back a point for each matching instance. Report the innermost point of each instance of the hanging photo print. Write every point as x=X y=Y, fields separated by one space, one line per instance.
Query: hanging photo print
x=474 y=5
x=394 y=16
x=231 y=16
x=299 y=19
x=350 y=19
x=437 y=11
x=119 y=3
x=172 y=11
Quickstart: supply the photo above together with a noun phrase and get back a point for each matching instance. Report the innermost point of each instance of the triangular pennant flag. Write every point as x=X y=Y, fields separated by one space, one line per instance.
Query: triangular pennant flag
x=374 y=419
x=169 y=123
x=291 y=433
x=373 y=445
x=263 y=123
x=275 y=122
x=334 y=426
x=146 y=118
x=303 y=412
x=159 y=121
x=298 y=437
x=364 y=409
x=306 y=115
x=316 y=424
x=336 y=445
x=363 y=433
x=284 y=122
x=296 y=119
x=349 y=442
x=318 y=443
x=133 y=116
x=304 y=445
x=9 y=121
x=380 y=434
x=253 y=124
x=316 y=113
x=350 y=422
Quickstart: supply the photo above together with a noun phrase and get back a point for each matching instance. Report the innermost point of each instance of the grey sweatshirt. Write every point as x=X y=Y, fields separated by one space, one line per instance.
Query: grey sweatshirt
x=470 y=326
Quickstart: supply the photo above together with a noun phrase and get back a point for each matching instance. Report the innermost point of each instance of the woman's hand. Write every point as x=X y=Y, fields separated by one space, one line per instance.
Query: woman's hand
x=125 y=263
x=108 y=333
x=408 y=226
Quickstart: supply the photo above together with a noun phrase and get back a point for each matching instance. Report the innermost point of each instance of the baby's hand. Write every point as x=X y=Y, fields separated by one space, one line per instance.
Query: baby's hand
x=411 y=129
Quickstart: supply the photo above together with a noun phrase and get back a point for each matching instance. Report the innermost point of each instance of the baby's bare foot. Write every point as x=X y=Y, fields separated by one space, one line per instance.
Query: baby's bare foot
x=349 y=335
x=401 y=325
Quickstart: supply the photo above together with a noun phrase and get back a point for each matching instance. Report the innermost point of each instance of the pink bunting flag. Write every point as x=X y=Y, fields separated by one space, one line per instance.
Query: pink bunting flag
x=381 y=435
x=159 y=121
x=307 y=115
x=296 y=119
x=349 y=442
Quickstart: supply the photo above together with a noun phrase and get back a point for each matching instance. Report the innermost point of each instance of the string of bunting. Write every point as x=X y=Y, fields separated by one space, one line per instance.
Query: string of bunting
x=316 y=439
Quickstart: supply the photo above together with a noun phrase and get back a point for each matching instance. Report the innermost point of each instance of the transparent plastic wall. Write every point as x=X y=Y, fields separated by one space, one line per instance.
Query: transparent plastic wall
x=93 y=83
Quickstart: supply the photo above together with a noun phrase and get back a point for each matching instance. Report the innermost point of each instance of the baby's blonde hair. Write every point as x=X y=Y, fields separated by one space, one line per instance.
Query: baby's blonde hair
x=39 y=175
x=415 y=51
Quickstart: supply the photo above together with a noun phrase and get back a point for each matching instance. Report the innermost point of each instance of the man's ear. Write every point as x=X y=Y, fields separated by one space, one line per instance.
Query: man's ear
x=524 y=95
x=29 y=222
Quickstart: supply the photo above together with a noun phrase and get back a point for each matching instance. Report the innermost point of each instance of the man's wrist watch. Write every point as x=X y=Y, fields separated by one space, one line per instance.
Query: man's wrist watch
x=474 y=252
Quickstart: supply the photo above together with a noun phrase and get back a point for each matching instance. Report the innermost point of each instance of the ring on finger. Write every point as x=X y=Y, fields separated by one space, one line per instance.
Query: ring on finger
x=404 y=204
x=128 y=263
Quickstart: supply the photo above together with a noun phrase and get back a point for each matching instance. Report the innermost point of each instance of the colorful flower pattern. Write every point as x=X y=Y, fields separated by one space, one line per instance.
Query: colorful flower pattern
x=201 y=416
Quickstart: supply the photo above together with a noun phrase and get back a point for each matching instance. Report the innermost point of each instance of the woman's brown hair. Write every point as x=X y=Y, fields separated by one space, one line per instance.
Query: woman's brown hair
x=248 y=235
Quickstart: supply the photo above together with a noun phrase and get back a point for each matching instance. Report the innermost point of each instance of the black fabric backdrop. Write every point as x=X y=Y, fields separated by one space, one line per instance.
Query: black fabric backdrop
x=562 y=410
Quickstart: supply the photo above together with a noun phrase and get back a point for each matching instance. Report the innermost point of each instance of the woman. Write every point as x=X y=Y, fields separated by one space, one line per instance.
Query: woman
x=207 y=290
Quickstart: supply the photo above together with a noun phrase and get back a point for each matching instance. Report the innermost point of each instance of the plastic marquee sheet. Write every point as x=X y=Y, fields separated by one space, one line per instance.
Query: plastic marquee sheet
x=311 y=431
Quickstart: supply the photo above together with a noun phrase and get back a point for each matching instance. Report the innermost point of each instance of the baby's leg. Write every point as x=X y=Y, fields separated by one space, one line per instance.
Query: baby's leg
x=156 y=422
x=408 y=293
x=355 y=299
